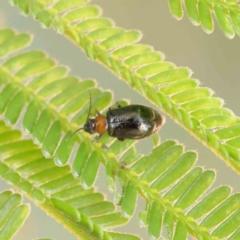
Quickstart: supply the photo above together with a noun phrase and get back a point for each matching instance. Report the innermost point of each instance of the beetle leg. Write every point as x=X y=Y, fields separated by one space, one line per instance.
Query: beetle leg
x=104 y=147
x=121 y=139
x=119 y=105
x=123 y=165
x=97 y=112
x=99 y=137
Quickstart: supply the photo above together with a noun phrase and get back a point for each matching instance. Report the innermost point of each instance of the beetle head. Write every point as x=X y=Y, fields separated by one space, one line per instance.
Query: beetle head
x=89 y=126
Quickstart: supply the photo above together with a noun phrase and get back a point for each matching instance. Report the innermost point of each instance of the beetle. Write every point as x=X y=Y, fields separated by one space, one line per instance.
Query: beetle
x=128 y=122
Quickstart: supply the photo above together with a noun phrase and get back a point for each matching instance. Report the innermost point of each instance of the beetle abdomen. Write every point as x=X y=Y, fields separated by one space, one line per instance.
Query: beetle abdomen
x=133 y=122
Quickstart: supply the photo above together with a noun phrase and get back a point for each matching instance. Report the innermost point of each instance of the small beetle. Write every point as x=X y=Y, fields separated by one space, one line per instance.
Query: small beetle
x=129 y=122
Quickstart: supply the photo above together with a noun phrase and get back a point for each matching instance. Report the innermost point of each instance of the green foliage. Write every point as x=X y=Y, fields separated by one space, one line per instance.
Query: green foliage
x=34 y=97
x=169 y=87
x=12 y=213
x=200 y=12
x=84 y=212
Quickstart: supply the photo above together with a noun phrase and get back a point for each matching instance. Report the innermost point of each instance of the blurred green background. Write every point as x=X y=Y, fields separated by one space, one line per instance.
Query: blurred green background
x=214 y=59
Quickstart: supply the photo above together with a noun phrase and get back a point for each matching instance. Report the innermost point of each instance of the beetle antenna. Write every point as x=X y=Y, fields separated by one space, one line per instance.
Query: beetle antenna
x=79 y=129
x=90 y=104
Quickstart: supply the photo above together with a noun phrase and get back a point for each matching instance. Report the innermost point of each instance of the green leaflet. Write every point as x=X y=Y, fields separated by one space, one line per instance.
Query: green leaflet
x=64 y=150
x=129 y=199
x=90 y=170
x=168 y=221
x=84 y=12
x=147 y=161
x=49 y=76
x=41 y=126
x=205 y=16
x=6 y=95
x=181 y=167
x=143 y=58
x=235 y=19
x=155 y=220
x=227 y=207
x=130 y=50
x=181 y=231
x=192 y=11
x=12 y=214
x=170 y=76
x=63 y=4
x=80 y=159
x=24 y=59
x=176 y=8
x=166 y=178
x=154 y=68
x=65 y=207
x=63 y=97
x=89 y=31
x=222 y=16
x=202 y=183
x=94 y=23
x=121 y=39
x=51 y=139
x=57 y=86
x=11 y=43
x=103 y=33
x=162 y=164
x=213 y=199
x=34 y=68
x=30 y=117
x=227 y=228
x=183 y=184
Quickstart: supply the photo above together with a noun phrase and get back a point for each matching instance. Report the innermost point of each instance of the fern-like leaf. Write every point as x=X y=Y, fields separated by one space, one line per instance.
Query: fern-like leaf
x=82 y=211
x=200 y=12
x=176 y=192
x=12 y=213
x=170 y=88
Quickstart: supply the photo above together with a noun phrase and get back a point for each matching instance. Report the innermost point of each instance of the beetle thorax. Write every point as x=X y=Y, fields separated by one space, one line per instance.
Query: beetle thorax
x=101 y=124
